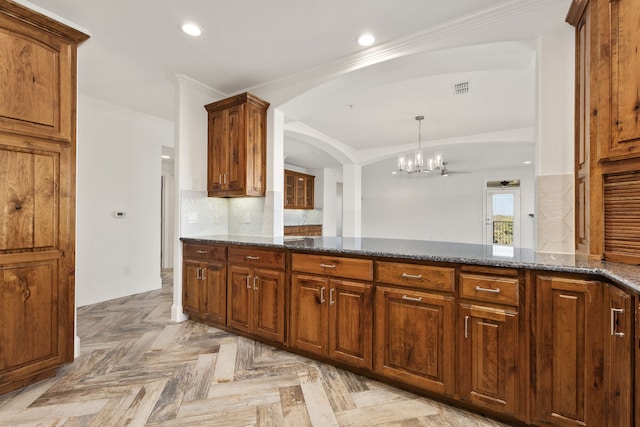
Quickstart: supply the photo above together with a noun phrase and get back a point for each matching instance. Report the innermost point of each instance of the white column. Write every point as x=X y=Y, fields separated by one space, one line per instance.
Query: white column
x=329 y=203
x=273 y=222
x=352 y=200
x=555 y=141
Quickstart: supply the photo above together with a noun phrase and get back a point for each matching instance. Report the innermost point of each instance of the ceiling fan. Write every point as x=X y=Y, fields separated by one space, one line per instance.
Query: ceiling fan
x=446 y=172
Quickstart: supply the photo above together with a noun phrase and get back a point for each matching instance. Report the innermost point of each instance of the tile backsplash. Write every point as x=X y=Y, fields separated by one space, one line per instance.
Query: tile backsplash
x=302 y=216
x=202 y=215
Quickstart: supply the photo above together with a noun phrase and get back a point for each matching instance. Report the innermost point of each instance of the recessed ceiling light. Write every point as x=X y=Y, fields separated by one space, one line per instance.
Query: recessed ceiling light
x=366 y=39
x=164 y=156
x=191 y=29
x=528 y=162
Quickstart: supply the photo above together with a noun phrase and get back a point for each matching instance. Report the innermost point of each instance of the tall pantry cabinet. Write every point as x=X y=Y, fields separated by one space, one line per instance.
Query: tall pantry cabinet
x=607 y=128
x=37 y=194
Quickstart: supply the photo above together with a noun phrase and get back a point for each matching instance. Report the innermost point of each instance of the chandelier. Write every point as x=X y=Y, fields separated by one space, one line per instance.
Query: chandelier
x=415 y=162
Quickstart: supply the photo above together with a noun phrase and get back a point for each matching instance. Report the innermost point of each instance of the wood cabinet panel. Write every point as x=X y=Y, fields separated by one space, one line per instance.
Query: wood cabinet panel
x=500 y=290
x=624 y=38
x=488 y=353
x=204 y=289
x=256 y=257
x=416 y=276
x=29 y=296
x=28 y=198
x=256 y=301
x=236 y=149
x=309 y=318
x=350 y=268
x=415 y=338
x=569 y=357
x=204 y=252
x=619 y=315
x=299 y=190
x=350 y=320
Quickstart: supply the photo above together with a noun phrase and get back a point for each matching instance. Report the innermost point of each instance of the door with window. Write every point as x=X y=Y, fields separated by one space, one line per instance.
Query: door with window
x=502 y=220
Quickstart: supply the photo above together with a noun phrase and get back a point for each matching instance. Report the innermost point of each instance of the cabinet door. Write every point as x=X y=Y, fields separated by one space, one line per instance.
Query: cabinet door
x=29 y=315
x=350 y=322
x=308 y=192
x=618 y=339
x=415 y=338
x=240 y=298
x=300 y=194
x=191 y=288
x=214 y=292
x=624 y=16
x=233 y=178
x=255 y=138
x=28 y=205
x=289 y=190
x=269 y=299
x=488 y=353
x=217 y=151
x=569 y=355
x=309 y=313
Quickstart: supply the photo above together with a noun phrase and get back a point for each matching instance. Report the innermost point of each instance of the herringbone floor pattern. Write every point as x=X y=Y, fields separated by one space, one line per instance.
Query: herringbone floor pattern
x=137 y=368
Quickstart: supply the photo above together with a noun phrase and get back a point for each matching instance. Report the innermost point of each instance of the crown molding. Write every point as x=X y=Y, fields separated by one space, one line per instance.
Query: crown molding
x=188 y=82
x=281 y=90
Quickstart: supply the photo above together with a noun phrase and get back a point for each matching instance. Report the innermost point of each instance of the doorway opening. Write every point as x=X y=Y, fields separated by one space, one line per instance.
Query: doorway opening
x=502 y=219
x=167 y=204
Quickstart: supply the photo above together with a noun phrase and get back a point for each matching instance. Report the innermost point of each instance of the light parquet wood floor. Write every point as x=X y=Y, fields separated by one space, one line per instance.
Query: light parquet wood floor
x=137 y=368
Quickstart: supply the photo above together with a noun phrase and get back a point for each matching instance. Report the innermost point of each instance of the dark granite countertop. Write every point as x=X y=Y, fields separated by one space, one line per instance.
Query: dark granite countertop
x=627 y=276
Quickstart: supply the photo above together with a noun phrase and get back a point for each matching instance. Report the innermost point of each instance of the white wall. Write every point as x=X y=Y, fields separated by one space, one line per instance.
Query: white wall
x=119 y=169
x=433 y=207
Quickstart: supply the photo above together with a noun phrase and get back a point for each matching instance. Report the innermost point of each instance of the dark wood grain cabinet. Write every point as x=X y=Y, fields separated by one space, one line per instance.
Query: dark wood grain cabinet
x=331 y=314
x=237 y=146
x=415 y=326
x=298 y=190
x=37 y=194
x=539 y=348
x=584 y=369
x=204 y=283
x=607 y=129
x=256 y=292
x=489 y=347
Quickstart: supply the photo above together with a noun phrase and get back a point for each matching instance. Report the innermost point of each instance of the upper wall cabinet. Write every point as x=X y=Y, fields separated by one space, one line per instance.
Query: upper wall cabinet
x=37 y=75
x=298 y=190
x=620 y=60
x=237 y=146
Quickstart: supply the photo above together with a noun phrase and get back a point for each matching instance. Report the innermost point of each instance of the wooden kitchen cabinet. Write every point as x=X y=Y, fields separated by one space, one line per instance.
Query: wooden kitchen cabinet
x=415 y=338
x=607 y=129
x=330 y=315
x=489 y=347
x=570 y=377
x=204 y=283
x=256 y=298
x=237 y=146
x=37 y=194
x=298 y=190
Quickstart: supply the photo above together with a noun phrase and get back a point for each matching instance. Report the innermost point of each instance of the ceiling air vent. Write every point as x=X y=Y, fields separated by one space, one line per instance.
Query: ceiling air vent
x=461 y=88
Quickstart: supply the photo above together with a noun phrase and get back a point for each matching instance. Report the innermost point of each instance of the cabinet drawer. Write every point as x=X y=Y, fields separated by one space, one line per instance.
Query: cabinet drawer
x=416 y=276
x=352 y=268
x=497 y=289
x=204 y=252
x=256 y=257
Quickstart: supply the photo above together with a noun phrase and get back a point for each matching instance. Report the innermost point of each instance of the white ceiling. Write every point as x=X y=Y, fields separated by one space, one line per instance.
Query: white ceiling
x=301 y=55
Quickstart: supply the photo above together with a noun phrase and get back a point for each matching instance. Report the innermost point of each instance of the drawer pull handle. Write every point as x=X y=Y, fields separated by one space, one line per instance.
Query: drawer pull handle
x=492 y=291
x=466 y=326
x=255 y=258
x=327 y=265
x=322 y=300
x=614 y=313
x=412 y=276
x=202 y=252
x=408 y=298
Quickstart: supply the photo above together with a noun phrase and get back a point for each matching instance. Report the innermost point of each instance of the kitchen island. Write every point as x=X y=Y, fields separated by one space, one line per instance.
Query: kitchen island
x=531 y=338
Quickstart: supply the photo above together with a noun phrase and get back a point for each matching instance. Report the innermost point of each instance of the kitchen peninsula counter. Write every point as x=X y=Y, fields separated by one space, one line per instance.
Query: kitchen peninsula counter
x=627 y=276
